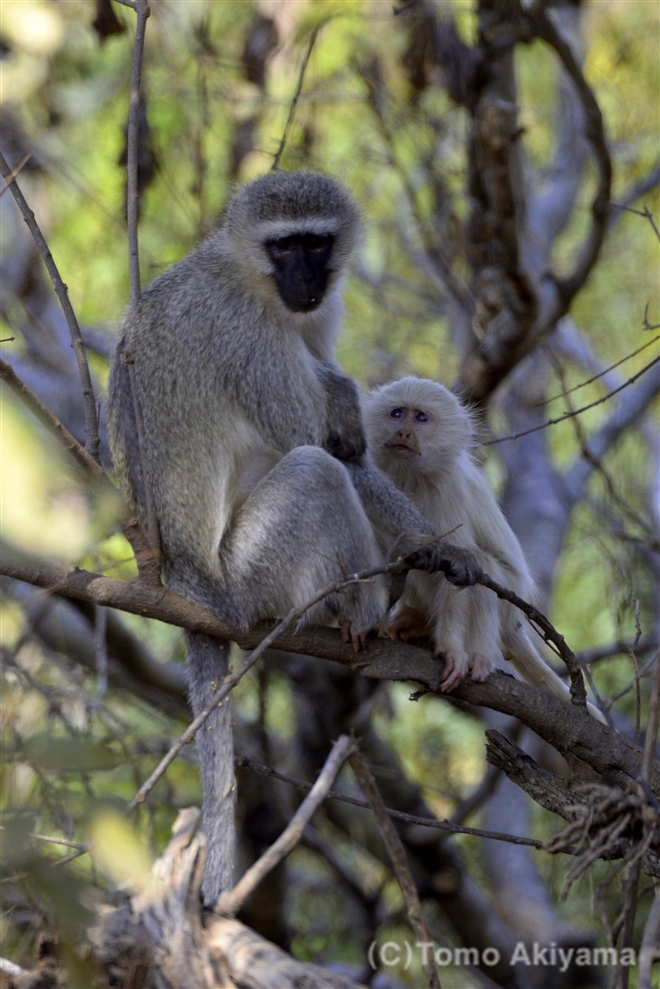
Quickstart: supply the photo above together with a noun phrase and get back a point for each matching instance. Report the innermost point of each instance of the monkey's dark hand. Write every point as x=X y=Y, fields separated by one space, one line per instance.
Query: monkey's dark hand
x=345 y=437
x=416 y=552
x=347 y=442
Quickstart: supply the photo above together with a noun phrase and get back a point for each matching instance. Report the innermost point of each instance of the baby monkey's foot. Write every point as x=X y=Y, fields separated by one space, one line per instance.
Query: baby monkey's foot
x=459 y=664
x=409 y=624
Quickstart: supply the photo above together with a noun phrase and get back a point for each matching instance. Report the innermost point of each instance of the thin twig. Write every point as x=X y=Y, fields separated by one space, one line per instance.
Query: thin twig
x=395 y=849
x=141 y=8
x=398 y=815
x=92 y=468
x=550 y=634
x=230 y=682
x=17 y=171
x=230 y=902
x=651 y=739
x=648 y=952
x=583 y=384
x=646 y=213
x=54 y=841
x=296 y=97
x=92 y=440
x=638 y=694
x=584 y=408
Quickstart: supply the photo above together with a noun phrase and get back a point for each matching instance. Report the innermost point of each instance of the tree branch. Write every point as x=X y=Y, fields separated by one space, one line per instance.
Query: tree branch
x=595 y=133
x=141 y=8
x=397 y=855
x=92 y=440
x=231 y=901
x=566 y=727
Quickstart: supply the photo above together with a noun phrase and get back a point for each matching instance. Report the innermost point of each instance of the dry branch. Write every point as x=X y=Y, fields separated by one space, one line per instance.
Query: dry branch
x=398 y=815
x=399 y=862
x=92 y=440
x=141 y=8
x=566 y=727
x=230 y=902
x=595 y=133
x=91 y=467
x=162 y=936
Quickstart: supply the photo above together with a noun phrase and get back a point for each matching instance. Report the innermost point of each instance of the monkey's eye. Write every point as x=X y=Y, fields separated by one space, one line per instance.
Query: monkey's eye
x=317 y=243
x=421 y=416
x=397 y=413
x=283 y=246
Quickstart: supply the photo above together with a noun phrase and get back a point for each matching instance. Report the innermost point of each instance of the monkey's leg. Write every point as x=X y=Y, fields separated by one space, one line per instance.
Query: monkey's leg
x=302 y=528
x=483 y=635
x=207 y=665
x=452 y=632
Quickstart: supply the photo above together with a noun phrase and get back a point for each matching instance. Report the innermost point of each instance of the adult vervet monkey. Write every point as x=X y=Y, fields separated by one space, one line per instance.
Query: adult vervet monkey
x=249 y=446
x=422 y=437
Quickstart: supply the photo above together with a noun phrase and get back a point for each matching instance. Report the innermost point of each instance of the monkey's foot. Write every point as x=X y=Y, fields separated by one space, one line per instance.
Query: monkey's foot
x=459 y=664
x=349 y=634
x=409 y=625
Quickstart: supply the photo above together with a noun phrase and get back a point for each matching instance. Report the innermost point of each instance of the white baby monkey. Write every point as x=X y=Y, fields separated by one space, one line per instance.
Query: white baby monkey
x=422 y=437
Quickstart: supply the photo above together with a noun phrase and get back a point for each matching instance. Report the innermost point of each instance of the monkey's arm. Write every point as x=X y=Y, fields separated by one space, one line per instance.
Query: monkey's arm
x=389 y=509
x=345 y=437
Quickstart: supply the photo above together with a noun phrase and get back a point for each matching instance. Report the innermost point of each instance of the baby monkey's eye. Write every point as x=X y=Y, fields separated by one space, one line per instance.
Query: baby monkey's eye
x=421 y=416
x=397 y=414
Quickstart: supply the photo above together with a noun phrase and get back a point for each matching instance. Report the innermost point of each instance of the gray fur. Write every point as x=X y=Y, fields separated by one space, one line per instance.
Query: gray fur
x=237 y=396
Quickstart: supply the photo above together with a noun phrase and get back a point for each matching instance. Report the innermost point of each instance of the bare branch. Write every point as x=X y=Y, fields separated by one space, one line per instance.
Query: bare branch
x=231 y=901
x=296 y=97
x=550 y=634
x=141 y=8
x=398 y=856
x=565 y=726
x=648 y=952
x=595 y=133
x=398 y=815
x=600 y=374
x=91 y=466
x=92 y=440
x=230 y=682
x=646 y=213
x=17 y=171
x=576 y=412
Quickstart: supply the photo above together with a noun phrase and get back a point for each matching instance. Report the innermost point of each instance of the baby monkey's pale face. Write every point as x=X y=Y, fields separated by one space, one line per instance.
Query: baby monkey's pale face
x=411 y=429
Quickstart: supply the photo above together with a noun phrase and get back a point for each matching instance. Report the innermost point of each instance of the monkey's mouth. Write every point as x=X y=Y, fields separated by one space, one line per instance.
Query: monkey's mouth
x=402 y=450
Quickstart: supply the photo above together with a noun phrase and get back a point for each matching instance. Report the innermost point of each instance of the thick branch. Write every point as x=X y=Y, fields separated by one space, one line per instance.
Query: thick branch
x=595 y=133
x=570 y=730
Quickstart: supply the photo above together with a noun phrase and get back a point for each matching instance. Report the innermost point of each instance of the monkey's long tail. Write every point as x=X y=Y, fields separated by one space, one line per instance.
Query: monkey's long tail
x=536 y=672
x=207 y=665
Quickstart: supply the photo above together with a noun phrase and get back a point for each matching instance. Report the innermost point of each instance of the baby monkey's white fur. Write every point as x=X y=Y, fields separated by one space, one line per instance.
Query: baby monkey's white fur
x=421 y=435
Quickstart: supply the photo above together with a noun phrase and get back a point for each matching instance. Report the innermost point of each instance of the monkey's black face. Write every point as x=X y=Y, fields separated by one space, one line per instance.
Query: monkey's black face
x=302 y=268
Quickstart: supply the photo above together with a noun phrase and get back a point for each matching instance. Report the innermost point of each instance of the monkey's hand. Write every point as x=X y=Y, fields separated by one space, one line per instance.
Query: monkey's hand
x=345 y=437
x=459 y=566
